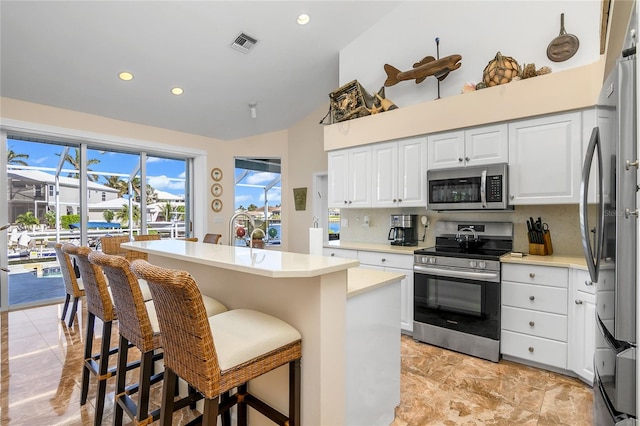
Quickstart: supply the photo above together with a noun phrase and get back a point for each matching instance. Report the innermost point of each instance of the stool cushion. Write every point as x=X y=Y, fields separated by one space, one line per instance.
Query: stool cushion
x=153 y=318
x=213 y=306
x=240 y=335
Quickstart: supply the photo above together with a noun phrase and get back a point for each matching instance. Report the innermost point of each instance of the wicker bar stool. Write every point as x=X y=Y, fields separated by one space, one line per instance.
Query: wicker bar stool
x=100 y=305
x=74 y=287
x=111 y=245
x=192 y=239
x=219 y=353
x=137 y=324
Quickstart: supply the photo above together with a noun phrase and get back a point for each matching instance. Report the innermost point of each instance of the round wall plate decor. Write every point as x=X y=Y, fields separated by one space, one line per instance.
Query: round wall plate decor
x=216 y=174
x=216 y=190
x=216 y=205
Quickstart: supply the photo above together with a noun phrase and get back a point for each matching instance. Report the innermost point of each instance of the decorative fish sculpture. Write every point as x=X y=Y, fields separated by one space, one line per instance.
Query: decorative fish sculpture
x=439 y=68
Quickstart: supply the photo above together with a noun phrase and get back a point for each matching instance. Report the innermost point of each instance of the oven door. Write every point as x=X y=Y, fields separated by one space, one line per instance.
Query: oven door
x=464 y=301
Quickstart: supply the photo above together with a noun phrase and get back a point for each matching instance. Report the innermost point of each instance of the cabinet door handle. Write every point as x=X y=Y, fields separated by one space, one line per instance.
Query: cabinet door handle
x=588 y=283
x=578 y=302
x=531 y=349
x=399 y=200
x=532 y=275
x=333 y=254
x=512 y=197
x=394 y=200
x=532 y=298
x=383 y=259
x=531 y=323
x=460 y=159
x=467 y=159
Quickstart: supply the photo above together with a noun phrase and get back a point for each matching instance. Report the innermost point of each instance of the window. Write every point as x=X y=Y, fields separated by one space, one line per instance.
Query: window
x=52 y=190
x=104 y=196
x=258 y=193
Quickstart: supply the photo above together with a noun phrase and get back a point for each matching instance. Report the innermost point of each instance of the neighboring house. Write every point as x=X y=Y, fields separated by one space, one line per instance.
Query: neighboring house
x=34 y=190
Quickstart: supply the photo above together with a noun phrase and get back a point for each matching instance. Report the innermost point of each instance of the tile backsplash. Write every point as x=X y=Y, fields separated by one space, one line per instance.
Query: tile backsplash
x=562 y=219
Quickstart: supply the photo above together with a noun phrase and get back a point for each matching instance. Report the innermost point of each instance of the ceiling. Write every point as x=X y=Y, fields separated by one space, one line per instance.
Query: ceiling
x=68 y=54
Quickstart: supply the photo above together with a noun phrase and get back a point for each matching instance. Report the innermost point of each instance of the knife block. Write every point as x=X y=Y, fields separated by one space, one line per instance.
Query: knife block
x=545 y=249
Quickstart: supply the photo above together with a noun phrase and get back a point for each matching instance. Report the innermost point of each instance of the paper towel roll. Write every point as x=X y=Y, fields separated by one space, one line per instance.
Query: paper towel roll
x=315 y=241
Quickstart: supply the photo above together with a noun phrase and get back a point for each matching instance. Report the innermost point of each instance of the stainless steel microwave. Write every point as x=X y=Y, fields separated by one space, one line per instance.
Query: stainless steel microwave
x=468 y=188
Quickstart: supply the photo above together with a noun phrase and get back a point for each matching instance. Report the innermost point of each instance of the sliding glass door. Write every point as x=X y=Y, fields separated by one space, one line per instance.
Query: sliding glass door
x=65 y=192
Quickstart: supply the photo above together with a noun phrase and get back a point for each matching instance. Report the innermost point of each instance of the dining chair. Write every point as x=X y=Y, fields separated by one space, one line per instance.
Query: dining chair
x=211 y=238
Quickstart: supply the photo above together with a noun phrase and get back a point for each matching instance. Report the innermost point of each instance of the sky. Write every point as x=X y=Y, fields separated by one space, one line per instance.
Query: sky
x=162 y=173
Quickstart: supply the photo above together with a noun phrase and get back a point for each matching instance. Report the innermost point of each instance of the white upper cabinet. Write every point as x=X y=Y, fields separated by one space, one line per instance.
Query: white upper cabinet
x=473 y=147
x=545 y=160
x=350 y=177
x=399 y=173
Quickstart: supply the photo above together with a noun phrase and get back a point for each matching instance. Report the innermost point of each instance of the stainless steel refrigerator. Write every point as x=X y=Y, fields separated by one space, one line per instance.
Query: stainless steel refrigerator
x=608 y=222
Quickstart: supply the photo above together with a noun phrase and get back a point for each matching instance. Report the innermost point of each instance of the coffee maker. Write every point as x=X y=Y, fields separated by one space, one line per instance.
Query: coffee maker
x=404 y=230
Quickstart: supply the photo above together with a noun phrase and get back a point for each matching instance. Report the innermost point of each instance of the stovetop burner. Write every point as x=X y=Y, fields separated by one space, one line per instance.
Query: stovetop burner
x=493 y=240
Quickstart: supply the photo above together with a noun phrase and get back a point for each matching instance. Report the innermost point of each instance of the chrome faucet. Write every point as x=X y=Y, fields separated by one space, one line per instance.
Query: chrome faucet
x=233 y=219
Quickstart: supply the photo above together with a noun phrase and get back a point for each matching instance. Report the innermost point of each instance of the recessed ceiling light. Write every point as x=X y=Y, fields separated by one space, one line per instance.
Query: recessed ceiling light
x=125 y=75
x=177 y=91
x=303 y=19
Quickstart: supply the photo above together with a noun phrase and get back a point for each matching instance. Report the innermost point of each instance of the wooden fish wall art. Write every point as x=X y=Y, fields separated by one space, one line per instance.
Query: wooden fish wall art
x=429 y=66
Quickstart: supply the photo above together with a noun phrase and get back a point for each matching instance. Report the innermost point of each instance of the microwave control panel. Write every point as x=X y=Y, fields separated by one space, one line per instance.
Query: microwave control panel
x=494 y=189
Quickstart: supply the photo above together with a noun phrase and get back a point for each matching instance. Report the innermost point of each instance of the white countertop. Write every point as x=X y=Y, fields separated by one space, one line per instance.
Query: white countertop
x=361 y=280
x=268 y=263
x=383 y=248
x=553 y=260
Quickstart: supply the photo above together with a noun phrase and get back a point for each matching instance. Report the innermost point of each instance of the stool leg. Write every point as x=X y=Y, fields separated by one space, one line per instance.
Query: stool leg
x=74 y=309
x=294 y=393
x=88 y=348
x=121 y=376
x=166 y=408
x=103 y=363
x=242 y=406
x=210 y=412
x=144 y=385
x=66 y=306
x=226 y=416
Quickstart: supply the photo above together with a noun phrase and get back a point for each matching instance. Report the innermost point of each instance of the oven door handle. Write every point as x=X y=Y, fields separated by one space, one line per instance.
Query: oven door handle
x=486 y=276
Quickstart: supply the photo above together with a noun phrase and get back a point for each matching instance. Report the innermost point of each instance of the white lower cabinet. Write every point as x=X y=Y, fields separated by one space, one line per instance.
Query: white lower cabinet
x=400 y=263
x=582 y=311
x=391 y=262
x=534 y=314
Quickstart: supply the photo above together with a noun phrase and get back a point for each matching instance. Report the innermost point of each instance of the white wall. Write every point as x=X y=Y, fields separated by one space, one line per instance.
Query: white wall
x=474 y=29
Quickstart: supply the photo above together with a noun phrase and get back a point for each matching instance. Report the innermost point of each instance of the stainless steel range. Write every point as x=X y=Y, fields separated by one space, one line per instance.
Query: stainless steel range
x=457 y=287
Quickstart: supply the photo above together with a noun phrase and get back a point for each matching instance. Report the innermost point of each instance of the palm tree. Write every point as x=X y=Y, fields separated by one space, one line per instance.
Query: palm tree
x=27 y=218
x=117 y=183
x=152 y=197
x=75 y=163
x=14 y=158
x=123 y=214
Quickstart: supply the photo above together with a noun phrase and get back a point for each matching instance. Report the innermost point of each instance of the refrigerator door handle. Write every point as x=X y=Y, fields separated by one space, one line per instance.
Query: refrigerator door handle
x=592 y=254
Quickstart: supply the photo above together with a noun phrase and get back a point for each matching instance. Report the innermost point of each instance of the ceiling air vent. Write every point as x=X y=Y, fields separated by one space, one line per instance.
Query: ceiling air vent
x=244 y=43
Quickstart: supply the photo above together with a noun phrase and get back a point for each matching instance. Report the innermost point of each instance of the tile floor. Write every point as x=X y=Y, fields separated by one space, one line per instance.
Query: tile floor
x=41 y=362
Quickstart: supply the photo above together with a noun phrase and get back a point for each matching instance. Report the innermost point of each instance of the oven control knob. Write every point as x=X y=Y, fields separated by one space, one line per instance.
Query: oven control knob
x=432 y=260
x=424 y=259
x=473 y=263
x=482 y=264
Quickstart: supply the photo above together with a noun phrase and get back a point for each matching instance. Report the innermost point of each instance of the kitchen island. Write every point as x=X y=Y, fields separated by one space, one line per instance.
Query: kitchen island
x=327 y=299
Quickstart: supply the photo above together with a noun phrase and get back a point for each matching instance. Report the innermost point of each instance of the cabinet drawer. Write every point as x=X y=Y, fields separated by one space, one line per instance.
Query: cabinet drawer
x=535 y=323
x=535 y=349
x=387 y=260
x=536 y=297
x=541 y=275
x=344 y=253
